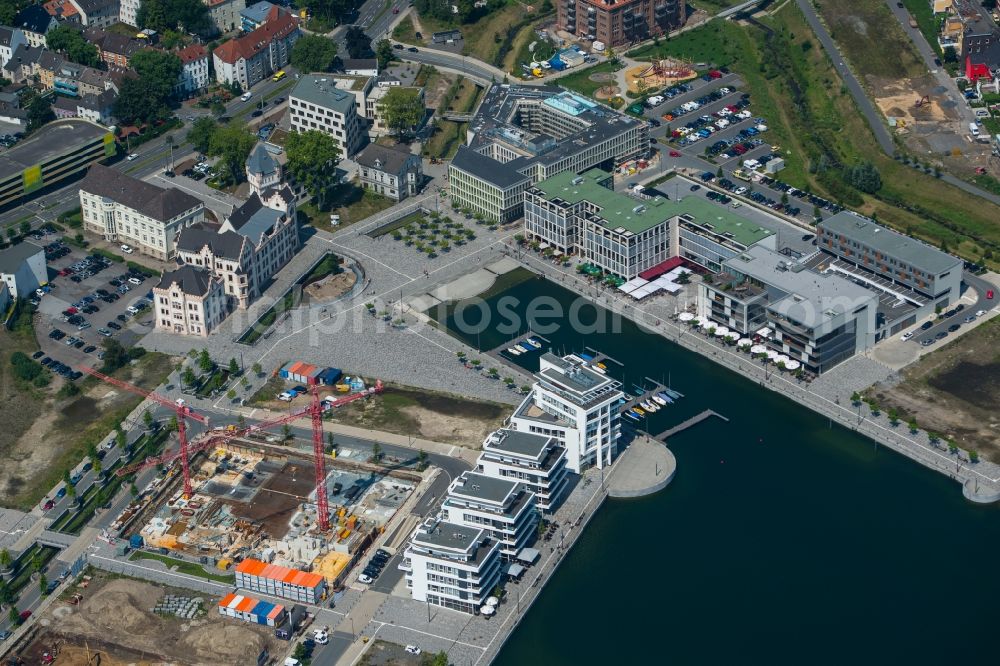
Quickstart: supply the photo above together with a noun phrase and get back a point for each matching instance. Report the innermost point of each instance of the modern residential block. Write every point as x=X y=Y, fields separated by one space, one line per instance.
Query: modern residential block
x=577 y=407
x=537 y=461
x=248 y=60
x=620 y=22
x=506 y=509
x=450 y=565
x=315 y=103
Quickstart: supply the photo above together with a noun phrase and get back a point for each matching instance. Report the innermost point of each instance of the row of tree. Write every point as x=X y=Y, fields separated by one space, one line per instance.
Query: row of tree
x=231 y=143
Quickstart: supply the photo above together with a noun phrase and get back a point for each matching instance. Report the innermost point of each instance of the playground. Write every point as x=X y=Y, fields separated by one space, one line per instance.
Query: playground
x=658 y=74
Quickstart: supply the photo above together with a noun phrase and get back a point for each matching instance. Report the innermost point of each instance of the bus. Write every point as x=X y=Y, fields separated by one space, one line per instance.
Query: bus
x=280 y=75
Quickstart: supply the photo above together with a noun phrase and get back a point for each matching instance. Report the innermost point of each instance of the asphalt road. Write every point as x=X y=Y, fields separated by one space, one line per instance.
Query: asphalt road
x=468 y=66
x=941 y=326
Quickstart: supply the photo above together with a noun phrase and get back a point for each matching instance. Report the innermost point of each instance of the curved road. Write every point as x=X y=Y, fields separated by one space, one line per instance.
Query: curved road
x=865 y=105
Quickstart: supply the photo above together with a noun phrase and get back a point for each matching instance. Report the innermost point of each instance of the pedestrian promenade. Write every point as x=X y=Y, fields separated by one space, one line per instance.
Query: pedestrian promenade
x=644 y=468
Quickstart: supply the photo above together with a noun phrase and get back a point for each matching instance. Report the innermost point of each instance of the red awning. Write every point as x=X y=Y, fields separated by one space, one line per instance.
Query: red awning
x=661 y=268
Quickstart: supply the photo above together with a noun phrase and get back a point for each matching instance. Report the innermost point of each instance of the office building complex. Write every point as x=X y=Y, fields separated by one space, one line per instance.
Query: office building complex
x=577 y=407
x=316 y=103
x=451 y=565
x=882 y=252
x=626 y=235
x=537 y=461
x=818 y=319
x=620 y=22
x=505 y=509
x=525 y=134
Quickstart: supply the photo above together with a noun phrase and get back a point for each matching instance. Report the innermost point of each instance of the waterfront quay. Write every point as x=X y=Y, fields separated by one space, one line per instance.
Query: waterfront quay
x=828 y=395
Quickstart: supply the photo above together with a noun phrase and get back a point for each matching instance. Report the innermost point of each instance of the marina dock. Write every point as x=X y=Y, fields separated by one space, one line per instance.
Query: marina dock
x=693 y=421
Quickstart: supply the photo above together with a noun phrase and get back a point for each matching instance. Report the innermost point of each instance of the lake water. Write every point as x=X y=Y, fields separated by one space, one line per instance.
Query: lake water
x=781 y=540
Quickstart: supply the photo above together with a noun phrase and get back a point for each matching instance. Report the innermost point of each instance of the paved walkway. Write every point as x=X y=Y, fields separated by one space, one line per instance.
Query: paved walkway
x=645 y=467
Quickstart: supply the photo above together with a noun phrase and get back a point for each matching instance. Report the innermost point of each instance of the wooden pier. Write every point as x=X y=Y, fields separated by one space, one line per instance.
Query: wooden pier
x=693 y=421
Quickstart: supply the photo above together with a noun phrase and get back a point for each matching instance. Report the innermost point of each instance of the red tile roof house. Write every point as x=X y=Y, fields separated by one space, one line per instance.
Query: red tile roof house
x=250 y=59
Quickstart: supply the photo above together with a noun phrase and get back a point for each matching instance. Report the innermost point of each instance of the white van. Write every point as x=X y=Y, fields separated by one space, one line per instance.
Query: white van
x=974 y=129
x=246 y=96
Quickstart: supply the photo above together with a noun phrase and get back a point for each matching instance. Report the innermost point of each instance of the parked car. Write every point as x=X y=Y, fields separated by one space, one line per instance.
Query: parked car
x=363 y=578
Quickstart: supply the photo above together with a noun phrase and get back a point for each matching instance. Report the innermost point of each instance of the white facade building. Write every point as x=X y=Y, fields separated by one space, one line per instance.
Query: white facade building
x=133 y=212
x=450 y=565
x=575 y=405
x=194 y=70
x=127 y=10
x=505 y=509
x=315 y=103
x=189 y=301
x=537 y=461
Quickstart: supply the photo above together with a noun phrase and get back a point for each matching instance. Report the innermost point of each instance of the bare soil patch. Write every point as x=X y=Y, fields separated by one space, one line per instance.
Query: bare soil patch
x=114 y=618
x=955 y=390
x=331 y=287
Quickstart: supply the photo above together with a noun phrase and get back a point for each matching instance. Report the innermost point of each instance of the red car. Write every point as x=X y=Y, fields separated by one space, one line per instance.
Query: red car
x=989 y=294
x=674 y=153
x=24 y=615
x=395 y=10
x=48 y=505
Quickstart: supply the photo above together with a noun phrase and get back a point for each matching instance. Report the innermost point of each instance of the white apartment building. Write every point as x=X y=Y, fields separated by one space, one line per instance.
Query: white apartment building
x=505 y=509
x=23 y=269
x=245 y=252
x=576 y=406
x=194 y=70
x=248 y=60
x=450 y=565
x=537 y=461
x=127 y=10
x=189 y=301
x=133 y=212
x=315 y=103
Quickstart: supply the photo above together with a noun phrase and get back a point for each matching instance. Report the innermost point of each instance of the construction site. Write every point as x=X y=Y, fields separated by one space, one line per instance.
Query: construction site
x=233 y=494
x=109 y=621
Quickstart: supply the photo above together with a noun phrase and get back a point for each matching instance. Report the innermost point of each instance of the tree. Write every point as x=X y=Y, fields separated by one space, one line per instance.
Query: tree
x=314 y=53
x=256 y=369
x=5 y=559
x=147 y=419
x=232 y=145
x=172 y=424
x=133 y=490
x=187 y=376
x=973 y=456
x=311 y=158
x=24 y=228
x=359 y=44
x=234 y=367
x=912 y=425
x=286 y=431
x=201 y=132
x=43 y=583
x=402 y=109
x=73 y=45
x=384 y=53
x=159 y=68
x=14 y=616
x=893 y=415
x=949 y=54
x=140 y=101
x=376 y=452
x=180 y=15
x=421 y=459
x=331 y=446
x=856 y=399
x=440 y=659
x=115 y=355
x=120 y=438
x=231 y=394
x=205 y=361
x=864 y=177
x=39 y=112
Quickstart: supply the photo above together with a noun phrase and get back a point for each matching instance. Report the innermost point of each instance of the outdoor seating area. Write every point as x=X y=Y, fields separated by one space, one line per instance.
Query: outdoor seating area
x=755 y=346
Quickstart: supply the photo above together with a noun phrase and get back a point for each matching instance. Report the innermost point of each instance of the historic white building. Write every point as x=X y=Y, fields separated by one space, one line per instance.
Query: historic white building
x=189 y=301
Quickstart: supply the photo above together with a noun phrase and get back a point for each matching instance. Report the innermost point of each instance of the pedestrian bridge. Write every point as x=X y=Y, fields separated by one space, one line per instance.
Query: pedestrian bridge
x=55 y=539
x=457 y=117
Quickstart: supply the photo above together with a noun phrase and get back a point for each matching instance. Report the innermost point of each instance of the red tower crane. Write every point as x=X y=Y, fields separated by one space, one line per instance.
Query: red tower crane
x=182 y=411
x=315 y=411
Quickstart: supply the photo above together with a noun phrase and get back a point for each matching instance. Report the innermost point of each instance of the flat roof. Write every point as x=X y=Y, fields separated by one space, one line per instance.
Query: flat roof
x=323 y=91
x=906 y=249
x=54 y=139
x=811 y=297
x=12 y=258
x=486 y=168
x=639 y=215
x=482 y=487
x=448 y=535
x=520 y=443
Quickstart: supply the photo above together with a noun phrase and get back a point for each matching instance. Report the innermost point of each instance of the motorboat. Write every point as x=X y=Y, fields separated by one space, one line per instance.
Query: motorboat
x=658 y=400
x=531 y=342
x=514 y=350
x=666 y=398
x=648 y=406
x=639 y=410
x=632 y=415
x=601 y=366
x=522 y=348
x=598 y=369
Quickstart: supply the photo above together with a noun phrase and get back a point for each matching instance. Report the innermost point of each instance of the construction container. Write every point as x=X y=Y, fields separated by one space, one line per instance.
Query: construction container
x=135 y=541
x=330 y=376
x=308 y=374
x=280 y=581
x=224 y=564
x=121 y=549
x=291 y=622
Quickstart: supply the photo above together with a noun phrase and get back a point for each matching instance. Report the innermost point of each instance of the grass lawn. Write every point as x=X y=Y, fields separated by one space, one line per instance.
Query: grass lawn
x=928 y=23
x=448 y=136
x=184 y=567
x=811 y=115
x=351 y=202
x=416 y=217
x=711 y=44
x=580 y=81
x=518 y=52
x=405 y=32
x=867 y=33
x=713 y=6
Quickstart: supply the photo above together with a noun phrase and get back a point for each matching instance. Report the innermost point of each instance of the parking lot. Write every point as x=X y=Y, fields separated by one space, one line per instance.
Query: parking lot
x=88 y=301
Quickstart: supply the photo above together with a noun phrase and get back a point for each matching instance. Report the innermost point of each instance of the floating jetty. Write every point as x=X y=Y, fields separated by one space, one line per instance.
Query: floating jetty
x=693 y=421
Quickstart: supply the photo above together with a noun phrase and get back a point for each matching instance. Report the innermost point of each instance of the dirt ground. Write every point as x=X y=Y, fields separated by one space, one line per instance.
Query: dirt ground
x=438 y=87
x=653 y=81
x=274 y=509
x=114 y=619
x=331 y=287
x=53 y=420
x=954 y=391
